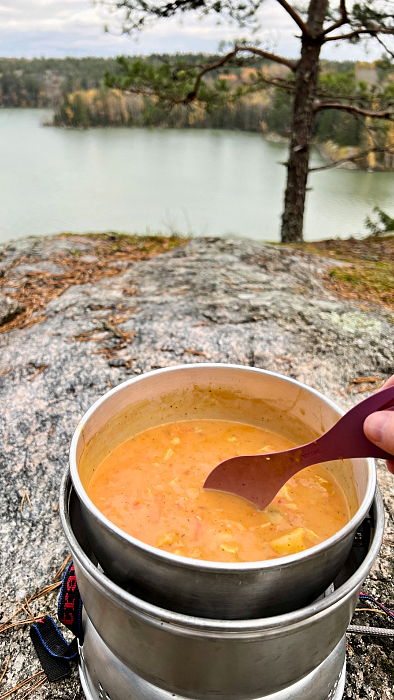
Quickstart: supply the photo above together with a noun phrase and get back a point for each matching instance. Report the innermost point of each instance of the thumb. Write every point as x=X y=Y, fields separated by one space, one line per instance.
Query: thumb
x=379 y=429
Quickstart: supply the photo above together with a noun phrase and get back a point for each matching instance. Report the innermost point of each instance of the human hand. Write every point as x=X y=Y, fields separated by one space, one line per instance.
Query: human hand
x=379 y=429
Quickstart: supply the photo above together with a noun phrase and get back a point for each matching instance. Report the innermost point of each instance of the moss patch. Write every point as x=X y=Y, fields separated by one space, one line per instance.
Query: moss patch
x=115 y=242
x=369 y=274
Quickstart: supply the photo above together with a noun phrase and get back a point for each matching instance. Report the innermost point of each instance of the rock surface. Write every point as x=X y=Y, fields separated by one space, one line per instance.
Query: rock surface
x=212 y=300
x=9 y=308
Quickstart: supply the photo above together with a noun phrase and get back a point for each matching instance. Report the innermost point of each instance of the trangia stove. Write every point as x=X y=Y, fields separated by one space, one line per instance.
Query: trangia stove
x=133 y=650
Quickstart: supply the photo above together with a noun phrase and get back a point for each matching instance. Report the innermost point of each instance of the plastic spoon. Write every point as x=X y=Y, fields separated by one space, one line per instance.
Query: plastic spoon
x=258 y=478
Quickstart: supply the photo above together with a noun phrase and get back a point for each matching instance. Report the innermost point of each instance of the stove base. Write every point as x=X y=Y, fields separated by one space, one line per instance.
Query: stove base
x=104 y=677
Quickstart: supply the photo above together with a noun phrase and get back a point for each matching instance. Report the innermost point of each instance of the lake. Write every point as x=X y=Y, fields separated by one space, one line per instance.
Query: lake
x=200 y=182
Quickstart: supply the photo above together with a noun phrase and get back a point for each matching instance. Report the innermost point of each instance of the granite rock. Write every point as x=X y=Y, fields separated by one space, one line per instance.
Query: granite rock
x=227 y=300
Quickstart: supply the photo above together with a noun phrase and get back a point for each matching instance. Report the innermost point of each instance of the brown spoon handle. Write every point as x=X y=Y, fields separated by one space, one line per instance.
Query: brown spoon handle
x=258 y=478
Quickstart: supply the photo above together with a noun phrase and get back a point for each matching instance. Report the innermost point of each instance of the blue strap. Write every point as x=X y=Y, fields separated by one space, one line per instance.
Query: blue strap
x=52 y=649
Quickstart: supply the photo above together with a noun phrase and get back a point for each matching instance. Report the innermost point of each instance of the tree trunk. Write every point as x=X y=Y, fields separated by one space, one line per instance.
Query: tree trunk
x=302 y=124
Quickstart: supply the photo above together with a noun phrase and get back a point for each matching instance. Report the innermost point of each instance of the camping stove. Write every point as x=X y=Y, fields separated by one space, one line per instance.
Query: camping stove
x=104 y=677
x=133 y=650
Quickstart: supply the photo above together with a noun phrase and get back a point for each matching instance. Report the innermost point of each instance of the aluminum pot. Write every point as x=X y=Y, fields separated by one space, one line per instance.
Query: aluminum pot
x=229 y=659
x=205 y=588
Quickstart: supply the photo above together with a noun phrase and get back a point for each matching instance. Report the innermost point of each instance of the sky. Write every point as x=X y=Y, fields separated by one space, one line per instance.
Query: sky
x=62 y=28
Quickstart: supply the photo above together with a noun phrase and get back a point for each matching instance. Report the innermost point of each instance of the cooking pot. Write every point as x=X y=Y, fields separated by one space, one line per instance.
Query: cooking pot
x=204 y=588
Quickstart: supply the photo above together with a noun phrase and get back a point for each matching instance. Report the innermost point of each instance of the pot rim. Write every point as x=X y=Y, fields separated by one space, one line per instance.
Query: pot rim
x=175 y=560
x=197 y=625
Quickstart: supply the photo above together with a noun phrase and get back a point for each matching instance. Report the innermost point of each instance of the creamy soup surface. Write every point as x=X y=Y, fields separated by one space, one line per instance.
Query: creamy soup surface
x=150 y=486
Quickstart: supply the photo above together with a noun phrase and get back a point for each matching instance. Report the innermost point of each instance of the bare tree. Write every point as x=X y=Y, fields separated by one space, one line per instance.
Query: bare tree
x=322 y=22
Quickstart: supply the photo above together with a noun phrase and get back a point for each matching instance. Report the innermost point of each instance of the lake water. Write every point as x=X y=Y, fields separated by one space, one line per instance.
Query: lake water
x=208 y=183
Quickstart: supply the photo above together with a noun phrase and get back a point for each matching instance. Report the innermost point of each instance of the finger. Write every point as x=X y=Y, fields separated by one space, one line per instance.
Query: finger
x=390 y=466
x=379 y=429
x=390 y=382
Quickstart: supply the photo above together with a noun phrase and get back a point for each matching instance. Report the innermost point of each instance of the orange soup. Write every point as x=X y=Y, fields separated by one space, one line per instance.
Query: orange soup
x=150 y=486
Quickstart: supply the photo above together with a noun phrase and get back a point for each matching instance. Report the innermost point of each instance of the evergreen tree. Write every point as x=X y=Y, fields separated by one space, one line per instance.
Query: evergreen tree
x=176 y=82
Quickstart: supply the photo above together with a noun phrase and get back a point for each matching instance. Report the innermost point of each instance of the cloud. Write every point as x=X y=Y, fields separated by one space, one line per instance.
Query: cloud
x=76 y=27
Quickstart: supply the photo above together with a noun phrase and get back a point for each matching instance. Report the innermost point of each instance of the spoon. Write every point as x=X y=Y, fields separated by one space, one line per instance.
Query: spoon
x=258 y=478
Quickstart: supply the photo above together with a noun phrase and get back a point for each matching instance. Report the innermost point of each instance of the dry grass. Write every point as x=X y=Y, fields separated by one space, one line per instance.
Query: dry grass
x=62 y=568
x=34 y=290
x=7 y=624
x=31 y=617
x=36 y=676
x=5 y=668
x=360 y=385
x=369 y=275
x=108 y=331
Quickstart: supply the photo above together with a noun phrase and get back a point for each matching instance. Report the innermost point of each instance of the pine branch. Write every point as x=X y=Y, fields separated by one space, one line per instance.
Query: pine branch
x=295 y=16
x=359 y=32
x=225 y=59
x=270 y=56
x=276 y=82
x=183 y=85
x=375 y=114
x=149 y=92
x=212 y=66
x=387 y=50
x=350 y=98
x=344 y=19
x=351 y=159
x=136 y=14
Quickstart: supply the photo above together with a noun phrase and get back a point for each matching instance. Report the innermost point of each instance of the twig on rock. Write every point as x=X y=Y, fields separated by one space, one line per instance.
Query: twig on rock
x=29 y=608
x=5 y=668
x=14 y=614
x=41 y=369
x=62 y=567
x=377 y=381
x=87 y=335
x=21 y=685
x=28 y=621
x=190 y=351
x=25 y=496
x=118 y=333
x=34 y=688
x=25 y=609
x=366 y=380
x=44 y=591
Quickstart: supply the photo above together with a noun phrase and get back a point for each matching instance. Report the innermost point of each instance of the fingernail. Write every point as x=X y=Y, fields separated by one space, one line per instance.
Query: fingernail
x=374 y=426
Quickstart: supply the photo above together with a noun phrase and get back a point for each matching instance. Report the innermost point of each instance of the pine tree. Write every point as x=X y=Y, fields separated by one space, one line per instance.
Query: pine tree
x=176 y=82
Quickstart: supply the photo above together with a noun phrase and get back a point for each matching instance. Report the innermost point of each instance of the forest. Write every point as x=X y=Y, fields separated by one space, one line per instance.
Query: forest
x=44 y=82
x=77 y=90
